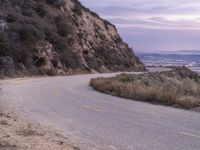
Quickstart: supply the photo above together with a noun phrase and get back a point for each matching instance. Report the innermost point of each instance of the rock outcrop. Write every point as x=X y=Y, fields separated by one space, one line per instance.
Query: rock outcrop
x=60 y=37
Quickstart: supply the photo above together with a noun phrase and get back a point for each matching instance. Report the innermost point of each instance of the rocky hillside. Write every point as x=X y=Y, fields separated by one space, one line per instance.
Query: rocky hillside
x=59 y=37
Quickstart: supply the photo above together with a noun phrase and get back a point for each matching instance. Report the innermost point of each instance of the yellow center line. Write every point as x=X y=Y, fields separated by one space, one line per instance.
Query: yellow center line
x=190 y=135
x=92 y=108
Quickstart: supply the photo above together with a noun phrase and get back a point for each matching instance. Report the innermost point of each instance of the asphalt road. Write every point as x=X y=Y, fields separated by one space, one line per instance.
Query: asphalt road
x=99 y=121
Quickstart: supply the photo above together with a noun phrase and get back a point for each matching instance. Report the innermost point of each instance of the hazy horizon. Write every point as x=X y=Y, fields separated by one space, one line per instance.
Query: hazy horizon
x=153 y=25
x=168 y=51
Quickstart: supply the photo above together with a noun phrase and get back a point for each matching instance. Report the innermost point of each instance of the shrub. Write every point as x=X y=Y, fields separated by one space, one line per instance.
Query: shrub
x=64 y=26
x=126 y=78
x=29 y=33
x=1 y=75
x=70 y=59
x=27 y=130
x=4 y=46
x=39 y=61
x=11 y=18
x=92 y=62
x=40 y=10
x=55 y=63
x=77 y=8
x=7 y=65
x=58 y=42
x=57 y=3
x=50 y=72
x=27 y=12
x=170 y=90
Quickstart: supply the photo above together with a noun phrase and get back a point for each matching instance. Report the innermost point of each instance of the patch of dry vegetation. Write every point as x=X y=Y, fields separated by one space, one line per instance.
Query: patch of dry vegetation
x=16 y=134
x=179 y=87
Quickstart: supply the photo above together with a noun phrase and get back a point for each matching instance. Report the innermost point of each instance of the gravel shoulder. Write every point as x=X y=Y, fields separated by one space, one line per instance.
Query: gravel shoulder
x=19 y=133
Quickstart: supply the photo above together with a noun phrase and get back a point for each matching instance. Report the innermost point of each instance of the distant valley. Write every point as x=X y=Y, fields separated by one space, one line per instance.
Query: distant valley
x=188 y=58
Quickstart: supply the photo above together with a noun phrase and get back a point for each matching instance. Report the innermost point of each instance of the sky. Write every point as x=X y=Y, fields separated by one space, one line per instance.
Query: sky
x=153 y=25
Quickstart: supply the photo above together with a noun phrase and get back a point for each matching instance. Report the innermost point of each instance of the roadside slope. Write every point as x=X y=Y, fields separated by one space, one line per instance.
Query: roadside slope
x=20 y=133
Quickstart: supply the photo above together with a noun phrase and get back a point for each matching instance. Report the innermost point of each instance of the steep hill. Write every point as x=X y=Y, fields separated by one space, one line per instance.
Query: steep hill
x=59 y=37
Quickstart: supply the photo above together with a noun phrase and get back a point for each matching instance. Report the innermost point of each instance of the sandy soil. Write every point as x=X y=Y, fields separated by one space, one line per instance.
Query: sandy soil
x=19 y=134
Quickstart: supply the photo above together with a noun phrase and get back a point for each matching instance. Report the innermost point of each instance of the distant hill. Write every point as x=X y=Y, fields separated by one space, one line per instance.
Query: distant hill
x=188 y=58
x=39 y=37
x=190 y=51
x=170 y=52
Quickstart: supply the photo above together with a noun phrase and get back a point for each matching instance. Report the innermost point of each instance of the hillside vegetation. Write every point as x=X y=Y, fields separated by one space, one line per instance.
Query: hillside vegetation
x=59 y=37
x=179 y=87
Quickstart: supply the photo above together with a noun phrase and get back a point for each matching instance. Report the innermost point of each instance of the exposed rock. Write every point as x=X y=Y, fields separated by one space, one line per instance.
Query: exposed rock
x=62 y=36
x=46 y=56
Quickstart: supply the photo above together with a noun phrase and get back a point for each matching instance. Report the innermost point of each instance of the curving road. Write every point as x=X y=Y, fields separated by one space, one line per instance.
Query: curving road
x=99 y=121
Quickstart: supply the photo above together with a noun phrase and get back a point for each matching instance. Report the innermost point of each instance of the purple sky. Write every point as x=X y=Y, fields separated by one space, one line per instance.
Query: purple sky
x=146 y=25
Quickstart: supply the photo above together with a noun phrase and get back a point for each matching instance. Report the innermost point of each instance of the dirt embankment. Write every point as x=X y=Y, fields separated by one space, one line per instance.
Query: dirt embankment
x=20 y=134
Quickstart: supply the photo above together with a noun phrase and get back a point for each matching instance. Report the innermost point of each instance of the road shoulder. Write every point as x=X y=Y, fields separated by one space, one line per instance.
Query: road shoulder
x=19 y=133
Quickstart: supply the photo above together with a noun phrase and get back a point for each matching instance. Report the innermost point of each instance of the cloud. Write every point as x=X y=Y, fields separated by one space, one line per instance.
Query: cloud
x=146 y=6
x=153 y=20
x=167 y=22
x=145 y=39
x=173 y=13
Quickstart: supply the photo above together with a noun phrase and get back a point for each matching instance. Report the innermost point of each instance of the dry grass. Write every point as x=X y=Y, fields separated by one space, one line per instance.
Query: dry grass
x=179 y=87
x=7 y=146
x=27 y=130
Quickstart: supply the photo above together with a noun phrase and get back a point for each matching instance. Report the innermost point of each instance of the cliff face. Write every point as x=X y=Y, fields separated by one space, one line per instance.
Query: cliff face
x=59 y=37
